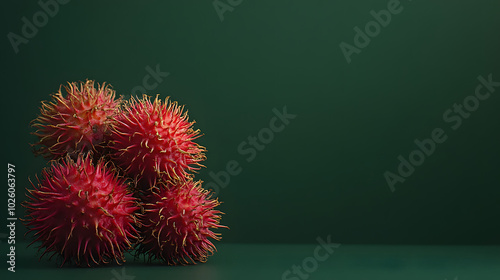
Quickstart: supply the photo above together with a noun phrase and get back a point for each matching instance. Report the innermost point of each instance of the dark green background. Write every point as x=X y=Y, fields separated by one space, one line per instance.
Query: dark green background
x=322 y=175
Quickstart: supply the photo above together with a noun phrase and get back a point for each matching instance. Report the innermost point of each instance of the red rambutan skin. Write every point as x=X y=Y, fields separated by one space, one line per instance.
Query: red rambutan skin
x=177 y=223
x=153 y=141
x=77 y=122
x=82 y=212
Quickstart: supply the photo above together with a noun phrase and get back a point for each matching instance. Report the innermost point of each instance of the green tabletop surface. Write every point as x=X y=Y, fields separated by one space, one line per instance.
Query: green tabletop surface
x=272 y=261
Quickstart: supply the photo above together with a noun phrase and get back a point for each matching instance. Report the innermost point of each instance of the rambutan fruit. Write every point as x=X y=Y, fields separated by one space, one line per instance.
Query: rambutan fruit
x=177 y=222
x=77 y=122
x=154 y=141
x=82 y=212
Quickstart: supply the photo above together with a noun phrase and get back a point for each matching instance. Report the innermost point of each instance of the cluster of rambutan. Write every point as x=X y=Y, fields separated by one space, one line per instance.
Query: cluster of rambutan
x=120 y=178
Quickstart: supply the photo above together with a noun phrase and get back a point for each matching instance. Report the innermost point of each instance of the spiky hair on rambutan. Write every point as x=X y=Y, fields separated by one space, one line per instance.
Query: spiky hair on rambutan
x=154 y=141
x=77 y=121
x=82 y=212
x=177 y=223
